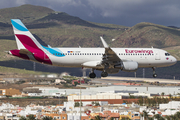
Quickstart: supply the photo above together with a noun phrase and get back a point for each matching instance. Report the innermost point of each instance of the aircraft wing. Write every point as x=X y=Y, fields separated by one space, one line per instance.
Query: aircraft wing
x=109 y=56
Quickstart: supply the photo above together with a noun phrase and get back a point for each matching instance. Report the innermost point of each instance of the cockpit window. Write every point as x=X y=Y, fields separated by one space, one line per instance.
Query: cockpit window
x=167 y=54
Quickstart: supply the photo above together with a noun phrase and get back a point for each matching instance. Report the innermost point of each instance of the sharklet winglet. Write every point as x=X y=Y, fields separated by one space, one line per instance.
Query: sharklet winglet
x=104 y=43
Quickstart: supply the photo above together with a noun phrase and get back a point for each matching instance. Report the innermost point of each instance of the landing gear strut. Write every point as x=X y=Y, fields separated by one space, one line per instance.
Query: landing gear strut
x=92 y=74
x=154 y=72
x=104 y=73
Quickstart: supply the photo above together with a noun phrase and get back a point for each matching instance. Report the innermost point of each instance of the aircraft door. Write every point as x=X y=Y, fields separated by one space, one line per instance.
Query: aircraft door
x=157 y=55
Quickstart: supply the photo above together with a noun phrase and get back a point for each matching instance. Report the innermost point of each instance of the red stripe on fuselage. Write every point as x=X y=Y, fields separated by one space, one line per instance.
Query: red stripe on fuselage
x=29 y=44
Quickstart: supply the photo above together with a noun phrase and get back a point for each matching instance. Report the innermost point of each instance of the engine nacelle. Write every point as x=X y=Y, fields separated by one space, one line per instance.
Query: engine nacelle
x=128 y=66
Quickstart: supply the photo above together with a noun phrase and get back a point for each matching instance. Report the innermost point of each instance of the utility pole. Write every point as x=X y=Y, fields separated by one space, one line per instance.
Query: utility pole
x=84 y=72
x=34 y=66
x=143 y=73
x=80 y=99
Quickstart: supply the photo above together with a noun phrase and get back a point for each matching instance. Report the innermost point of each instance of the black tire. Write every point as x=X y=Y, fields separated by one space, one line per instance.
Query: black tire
x=92 y=75
x=104 y=74
x=154 y=75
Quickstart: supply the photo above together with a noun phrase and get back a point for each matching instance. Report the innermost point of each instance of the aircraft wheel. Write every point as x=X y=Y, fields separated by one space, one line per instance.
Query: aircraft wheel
x=92 y=75
x=155 y=75
x=104 y=74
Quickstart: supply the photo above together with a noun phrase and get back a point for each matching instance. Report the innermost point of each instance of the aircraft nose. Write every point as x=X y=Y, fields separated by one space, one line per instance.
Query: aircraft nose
x=174 y=60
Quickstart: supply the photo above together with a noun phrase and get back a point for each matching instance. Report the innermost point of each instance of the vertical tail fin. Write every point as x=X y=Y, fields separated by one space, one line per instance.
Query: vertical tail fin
x=23 y=37
x=27 y=44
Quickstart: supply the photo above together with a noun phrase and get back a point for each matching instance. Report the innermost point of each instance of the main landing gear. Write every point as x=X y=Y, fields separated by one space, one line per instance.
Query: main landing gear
x=104 y=74
x=154 y=72
x=92 y=74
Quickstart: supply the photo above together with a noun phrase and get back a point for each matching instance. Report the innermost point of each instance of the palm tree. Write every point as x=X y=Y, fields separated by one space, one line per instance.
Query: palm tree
x=97 y=117
x=140 y=101
x=173 y=117
x=170 y=96
x=167 y=117
x=145 y=114
x=177 y=115
x=111 y=118
x=150 y=118
x=22 y=118
x=47 y=118
x=77 y=104
x=158 y=117
x=31 y=117
x=125 y=118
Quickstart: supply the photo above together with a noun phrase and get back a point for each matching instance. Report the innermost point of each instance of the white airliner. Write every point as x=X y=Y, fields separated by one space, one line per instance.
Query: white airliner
x=108 y=60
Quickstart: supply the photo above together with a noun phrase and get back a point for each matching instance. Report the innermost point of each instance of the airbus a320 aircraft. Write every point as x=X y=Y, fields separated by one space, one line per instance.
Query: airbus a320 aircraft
x=108 y=60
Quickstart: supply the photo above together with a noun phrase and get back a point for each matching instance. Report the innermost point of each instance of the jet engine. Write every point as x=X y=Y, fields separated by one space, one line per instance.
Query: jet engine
x=128 y=66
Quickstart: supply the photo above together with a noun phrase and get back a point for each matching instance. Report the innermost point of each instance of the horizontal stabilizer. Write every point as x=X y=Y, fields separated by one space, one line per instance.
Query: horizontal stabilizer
x=25 y=51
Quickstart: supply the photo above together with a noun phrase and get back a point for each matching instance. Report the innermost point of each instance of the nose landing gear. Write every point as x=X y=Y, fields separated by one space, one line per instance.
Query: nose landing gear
x=154 y=72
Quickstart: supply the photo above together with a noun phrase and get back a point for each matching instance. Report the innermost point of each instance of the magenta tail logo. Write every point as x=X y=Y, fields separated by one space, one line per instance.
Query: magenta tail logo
x=29 y=44
x=25 y=40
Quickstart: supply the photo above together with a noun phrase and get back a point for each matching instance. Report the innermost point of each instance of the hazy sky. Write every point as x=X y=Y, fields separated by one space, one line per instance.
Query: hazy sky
x=122 y=12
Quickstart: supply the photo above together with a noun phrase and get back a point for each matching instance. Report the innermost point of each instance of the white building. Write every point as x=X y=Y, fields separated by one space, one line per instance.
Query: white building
x=170 y=105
